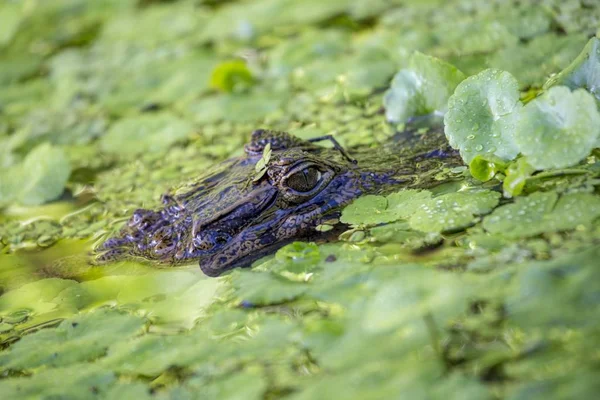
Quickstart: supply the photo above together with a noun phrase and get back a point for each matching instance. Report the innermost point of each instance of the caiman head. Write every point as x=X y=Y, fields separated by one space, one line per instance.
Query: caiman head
x=237 y=213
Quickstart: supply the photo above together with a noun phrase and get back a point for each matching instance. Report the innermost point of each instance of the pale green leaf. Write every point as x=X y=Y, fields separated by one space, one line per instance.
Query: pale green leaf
x=422 y=88
x=543 y=212
x=559 y=128
x=583 y=72
x=482 y=115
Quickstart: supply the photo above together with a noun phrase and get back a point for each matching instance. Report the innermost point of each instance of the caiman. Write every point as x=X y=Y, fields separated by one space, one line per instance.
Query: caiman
x=234 y=215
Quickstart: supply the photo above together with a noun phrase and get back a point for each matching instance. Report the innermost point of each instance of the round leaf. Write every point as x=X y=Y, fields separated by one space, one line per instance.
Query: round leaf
x=83 y=338
x=584 y=71
x=45 y=172
x=422 y=88
x=373 y=210
x=481 y=117
x=543 y=213
x=453 y=211
x=559 y=128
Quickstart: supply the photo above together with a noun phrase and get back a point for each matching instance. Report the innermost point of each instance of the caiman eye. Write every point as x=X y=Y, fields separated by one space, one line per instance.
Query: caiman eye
x=304 y=180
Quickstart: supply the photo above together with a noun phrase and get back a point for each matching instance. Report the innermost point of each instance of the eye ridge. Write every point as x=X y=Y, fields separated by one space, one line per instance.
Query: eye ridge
x=304 y=180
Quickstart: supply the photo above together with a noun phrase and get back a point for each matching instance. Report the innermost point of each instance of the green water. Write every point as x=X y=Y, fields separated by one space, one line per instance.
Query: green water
x=470 y=290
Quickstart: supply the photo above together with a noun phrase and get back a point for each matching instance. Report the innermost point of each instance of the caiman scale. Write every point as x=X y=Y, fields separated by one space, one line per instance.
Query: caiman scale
x=229 y=218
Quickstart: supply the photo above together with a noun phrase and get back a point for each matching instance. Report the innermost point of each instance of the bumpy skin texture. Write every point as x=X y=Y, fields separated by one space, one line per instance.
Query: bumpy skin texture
x=226 y=219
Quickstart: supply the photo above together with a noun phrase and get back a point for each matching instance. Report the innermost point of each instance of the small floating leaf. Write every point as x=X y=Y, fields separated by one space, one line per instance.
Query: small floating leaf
x=261 y=165
x=584 y=71
x=481 y=117
x=543 y=212
x=558 y=129
x=453 y=211
x=485 y=167
x=443 y=213
x=416 y=294
x=516 y=176
x=264 y=160
x=262 y=288
x=373 y=210
x=324 y=228
x=44 y=174
x=231 y=76
x=83 y=338
x=81 y=381
x=422 y=88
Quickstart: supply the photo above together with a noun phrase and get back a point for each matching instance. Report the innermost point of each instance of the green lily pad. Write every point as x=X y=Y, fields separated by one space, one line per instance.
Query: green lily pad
x=153 y=133
x=517 y=174
x=482 y=115
x=61 y=127
x=526 y=21
x=133 y=390
x=150 y=355
x=468 y=35
x=447 y=212
x=245 y=384
x=297 y=258
x=396 y=232
x=231 y=76
x=422 y=88
x=533 y=302
x=559 y=128
x=370 y=69
x=414 y=295
x=543 y=213
x=40 y=178
x=484 y=168
x=584 y=71
x=373 y=210
x=73 y=382
x=83 y=338
x=453 y=211
x=46 y=170
x=262 y=288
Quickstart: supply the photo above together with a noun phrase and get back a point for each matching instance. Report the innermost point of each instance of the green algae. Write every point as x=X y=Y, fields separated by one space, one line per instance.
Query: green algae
x=452 y=292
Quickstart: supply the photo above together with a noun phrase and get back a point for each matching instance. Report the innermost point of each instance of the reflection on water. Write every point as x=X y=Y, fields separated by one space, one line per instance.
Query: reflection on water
x=42 y=286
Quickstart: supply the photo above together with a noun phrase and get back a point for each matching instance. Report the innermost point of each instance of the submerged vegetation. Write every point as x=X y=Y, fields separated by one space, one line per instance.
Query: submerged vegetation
x=487 y=286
